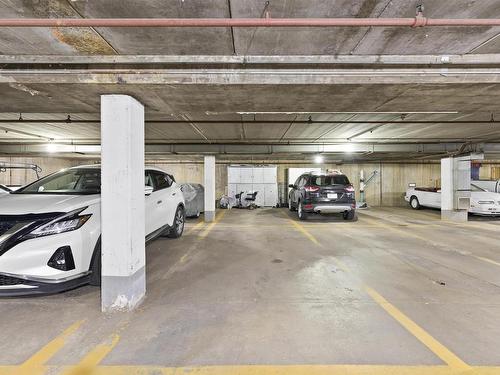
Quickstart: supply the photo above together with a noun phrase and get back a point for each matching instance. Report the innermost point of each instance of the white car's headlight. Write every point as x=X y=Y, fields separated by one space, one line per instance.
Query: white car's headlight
x=66 y=223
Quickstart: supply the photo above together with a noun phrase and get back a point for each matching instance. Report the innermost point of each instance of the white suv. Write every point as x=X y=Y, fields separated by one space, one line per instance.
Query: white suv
x=50 y=230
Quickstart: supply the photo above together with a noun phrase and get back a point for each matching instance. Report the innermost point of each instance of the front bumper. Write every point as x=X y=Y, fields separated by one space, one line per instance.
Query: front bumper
x=19 y=285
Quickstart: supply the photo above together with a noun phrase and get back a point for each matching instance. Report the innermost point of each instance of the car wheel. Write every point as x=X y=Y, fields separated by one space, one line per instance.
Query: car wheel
x=301 y=213
x=350 y=215
x=290 y=205
x=178 y=227
x=95 y=265
x=414 y=203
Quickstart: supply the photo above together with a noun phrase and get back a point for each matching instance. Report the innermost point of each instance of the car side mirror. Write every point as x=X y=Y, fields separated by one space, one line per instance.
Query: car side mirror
x=291 y=186
x=148 y=190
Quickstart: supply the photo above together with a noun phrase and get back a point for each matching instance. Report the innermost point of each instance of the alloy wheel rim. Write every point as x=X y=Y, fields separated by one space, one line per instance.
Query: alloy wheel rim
x=179 y=221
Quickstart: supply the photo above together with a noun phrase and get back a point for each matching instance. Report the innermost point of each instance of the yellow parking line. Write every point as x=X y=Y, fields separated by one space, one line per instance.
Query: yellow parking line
x=212 y=224
x=297 y=370
x=305 y=232
x=421 y=238
x=35 y=363
x=278 y=370
x=486 y=260
x=425 y=338
x=195 y=227
x=89 y=363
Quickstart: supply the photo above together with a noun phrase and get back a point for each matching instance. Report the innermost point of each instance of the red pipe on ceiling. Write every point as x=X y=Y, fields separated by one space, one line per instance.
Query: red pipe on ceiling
x=418 y=21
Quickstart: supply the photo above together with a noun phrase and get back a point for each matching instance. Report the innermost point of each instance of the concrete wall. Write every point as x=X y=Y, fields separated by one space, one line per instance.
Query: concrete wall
x=23 y=177
x=386 y=189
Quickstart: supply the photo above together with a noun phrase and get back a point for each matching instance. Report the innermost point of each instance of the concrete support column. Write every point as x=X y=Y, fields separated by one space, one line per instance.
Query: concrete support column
x=209 y=188
x=456 y=186
x=122 y=203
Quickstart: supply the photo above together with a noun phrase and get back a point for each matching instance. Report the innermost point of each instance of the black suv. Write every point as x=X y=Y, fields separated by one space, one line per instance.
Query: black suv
x=322 y=193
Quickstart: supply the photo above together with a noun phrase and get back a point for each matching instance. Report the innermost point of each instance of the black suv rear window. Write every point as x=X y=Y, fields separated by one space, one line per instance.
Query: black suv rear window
x=338 y=179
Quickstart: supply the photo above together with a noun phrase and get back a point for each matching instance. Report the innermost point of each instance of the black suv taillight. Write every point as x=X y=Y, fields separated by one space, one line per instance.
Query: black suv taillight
x=349 y=189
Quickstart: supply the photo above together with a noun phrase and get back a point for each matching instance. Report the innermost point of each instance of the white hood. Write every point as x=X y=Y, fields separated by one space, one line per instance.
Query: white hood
x=22 y=204
x=485 y=196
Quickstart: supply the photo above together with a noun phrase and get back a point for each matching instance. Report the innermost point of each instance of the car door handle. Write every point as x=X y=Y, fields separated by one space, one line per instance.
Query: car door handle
x=173 y=194
x=159 y=202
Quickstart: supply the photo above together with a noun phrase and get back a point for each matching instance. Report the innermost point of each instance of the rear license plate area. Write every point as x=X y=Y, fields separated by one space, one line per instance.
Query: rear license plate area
x=331 y=195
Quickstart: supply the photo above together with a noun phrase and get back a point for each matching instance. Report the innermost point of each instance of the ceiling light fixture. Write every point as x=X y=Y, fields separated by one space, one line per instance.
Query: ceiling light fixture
x=318 y=159
x=51 y=148
x=343 y=113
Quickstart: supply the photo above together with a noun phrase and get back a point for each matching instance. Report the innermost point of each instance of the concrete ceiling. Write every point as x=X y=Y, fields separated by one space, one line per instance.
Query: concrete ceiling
x=45 y=88
x=247 y=41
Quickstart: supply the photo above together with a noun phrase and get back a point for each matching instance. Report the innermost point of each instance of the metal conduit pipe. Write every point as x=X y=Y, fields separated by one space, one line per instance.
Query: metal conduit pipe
x=418 y=21
x=218 y=122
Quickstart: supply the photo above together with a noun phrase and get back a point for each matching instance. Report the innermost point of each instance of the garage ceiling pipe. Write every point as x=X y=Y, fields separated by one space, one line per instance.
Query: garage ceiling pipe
x=418 y=21
x=220 y=122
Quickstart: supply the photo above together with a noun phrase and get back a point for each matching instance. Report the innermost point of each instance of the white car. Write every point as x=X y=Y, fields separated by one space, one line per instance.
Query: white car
x=50 y=230
x=4 y=190
x=482 y=202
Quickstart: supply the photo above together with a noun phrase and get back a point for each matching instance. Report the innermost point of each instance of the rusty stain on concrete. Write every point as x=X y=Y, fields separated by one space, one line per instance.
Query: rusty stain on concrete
x=84 y=40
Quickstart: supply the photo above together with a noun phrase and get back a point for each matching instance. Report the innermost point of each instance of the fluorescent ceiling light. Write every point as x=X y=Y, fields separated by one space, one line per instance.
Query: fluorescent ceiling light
x=51 y=148
x=341 y=113
x=348 y=147
x=318 y=159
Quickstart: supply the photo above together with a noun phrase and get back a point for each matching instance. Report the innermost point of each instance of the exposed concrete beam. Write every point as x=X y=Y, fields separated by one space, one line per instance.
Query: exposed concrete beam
x=440 y=60
x=251 y=76
x=267 y=149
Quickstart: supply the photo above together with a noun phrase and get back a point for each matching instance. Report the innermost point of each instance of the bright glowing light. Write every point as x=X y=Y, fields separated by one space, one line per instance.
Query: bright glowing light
x=318 y=159
x=51 y=148
x=349 y=147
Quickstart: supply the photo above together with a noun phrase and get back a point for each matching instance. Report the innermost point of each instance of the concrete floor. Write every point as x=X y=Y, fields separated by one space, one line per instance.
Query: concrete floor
x=397 y=292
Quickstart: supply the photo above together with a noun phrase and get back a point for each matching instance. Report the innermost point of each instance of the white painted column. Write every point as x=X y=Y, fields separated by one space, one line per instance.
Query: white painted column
x=209 y=188
x=122 y=203
x=456 y=186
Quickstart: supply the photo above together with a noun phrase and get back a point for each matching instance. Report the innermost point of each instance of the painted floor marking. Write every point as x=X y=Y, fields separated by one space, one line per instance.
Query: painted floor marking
x=427 y=240
x=213 y=224
x=88 y=364
x=35 y=364
x=425 y=338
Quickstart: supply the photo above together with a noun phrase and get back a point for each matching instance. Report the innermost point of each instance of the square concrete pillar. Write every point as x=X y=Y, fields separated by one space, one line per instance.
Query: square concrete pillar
x=209 y=177
x=122 y=203
x=456 y=186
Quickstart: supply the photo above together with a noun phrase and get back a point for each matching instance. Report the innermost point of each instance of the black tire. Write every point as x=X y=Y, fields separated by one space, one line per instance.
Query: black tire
x=350 y=215
x=414 y=203
x=301 y=213
x=95 y=265
x=290 y=205
x=179 y=221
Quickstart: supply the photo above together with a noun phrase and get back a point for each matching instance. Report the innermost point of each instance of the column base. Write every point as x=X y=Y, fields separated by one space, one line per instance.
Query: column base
x=457 y=216
x=209 y=216
x=123 y=293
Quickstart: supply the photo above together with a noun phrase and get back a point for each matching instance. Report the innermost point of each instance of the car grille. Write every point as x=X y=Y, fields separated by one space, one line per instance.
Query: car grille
x=9 y=280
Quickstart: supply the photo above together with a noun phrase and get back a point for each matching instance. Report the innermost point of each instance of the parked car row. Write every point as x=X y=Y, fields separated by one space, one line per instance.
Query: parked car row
x=59 y=217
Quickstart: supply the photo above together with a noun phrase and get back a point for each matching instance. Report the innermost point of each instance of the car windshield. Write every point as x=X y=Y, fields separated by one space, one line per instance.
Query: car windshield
x=477 y=188
x=70 y=181
x=328 y=180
